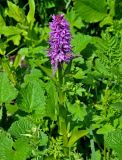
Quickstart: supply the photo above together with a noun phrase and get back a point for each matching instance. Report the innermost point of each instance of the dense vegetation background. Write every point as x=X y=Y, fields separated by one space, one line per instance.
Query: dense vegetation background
x=35 y=123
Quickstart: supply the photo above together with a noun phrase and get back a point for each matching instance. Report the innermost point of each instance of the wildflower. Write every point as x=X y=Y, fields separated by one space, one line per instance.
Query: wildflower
x=60 y=49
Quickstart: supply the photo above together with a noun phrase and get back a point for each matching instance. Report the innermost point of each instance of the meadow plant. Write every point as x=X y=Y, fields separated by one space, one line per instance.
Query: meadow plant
x=60 y=48
x=76 y=114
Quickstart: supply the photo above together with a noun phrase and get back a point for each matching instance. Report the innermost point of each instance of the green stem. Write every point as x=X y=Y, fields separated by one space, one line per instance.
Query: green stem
x=62 y=110
x=104 y=151
x=60 y=78
x=108 y=154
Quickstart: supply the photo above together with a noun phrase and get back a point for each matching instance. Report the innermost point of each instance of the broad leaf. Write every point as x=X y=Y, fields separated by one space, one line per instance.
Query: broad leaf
x=91 y=10
x=35 y=74
x=22 y=149
x=105 y=129
x=6 y=144
x=31 y=97
x=9 y=150
x=22 y=127
x=43 y=139
x=74 y=20
x=79 y=42
x=7 y=91
x=114 y=141
x=77 y=111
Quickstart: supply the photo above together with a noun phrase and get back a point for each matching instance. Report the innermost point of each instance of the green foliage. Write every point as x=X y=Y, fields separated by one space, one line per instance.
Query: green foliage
x=75 y=113
x=31 y=97
x=78 y=111
x=31 y=13
x=91 y=11
x=15 y=12
x=77 y=38
x=13 y=150
x=22 y=127
x=7 y=90
x=5 y=146
x=52 y=101
x=75 y=135
x=114 y=140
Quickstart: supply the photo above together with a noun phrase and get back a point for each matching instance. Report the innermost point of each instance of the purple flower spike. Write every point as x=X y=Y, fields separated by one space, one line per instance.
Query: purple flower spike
x=60 y=49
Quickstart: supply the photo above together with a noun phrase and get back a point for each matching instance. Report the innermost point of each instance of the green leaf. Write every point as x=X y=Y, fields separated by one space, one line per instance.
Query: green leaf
x=7 y=91
x=100 y=67
x=98 y=155
x=78 y=112
x=106 y=21
x=3 y=46
x=91 y=11
x=10 y=30
x=2 y=22
x=75 y=135
x=11 y=108
x=79 y=42
x=52 y=101
x=5 y=147
x=17 y=61
x=31 y=97
x=22 y=128
x=117 y=105
x=114 y=141
x=43 y=139
x=23 y=51
x=63 y=130
x=47 y=71
x=30 y=16
x=79 y=75
x=13 y=151
x=74 y=20
x=50 y=4
x=15 y=12
x=34 y=74
x=15 y=38
x=22 y=149
x=105 y=129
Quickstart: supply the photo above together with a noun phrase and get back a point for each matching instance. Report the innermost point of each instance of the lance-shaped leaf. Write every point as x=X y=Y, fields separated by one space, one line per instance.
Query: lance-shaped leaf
x=15 y=12
x=75 y=135
x=30 y=16
x=52 y=103
x=2 y=22
x=10 y=30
